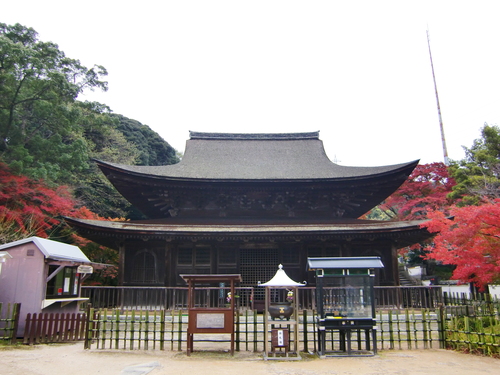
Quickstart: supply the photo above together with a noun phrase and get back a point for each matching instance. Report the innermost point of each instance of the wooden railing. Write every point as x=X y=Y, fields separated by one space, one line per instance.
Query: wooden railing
x=175 y=298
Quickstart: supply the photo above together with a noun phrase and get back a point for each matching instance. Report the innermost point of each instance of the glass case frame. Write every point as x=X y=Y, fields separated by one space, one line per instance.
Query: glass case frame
x=345 y=302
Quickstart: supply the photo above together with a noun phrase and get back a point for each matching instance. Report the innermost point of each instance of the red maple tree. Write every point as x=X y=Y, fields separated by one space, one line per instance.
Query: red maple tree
x=31 y=208
x=425 y=191
x=470 y=240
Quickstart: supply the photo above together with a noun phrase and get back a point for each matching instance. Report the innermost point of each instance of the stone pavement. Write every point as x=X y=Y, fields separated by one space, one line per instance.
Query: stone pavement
x=143 y=369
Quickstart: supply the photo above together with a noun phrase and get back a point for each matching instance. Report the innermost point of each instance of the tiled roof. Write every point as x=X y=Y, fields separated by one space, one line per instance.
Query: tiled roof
x=255 y=157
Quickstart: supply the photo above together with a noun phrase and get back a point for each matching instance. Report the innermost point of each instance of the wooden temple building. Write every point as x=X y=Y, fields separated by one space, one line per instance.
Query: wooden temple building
x=245 y=203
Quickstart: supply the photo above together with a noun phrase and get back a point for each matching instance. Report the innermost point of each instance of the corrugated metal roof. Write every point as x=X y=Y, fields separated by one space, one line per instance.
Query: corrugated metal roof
x=344 y=263
x=52 y=249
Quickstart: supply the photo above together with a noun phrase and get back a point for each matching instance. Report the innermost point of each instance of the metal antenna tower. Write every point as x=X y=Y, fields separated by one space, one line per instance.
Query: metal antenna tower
x=445 y=151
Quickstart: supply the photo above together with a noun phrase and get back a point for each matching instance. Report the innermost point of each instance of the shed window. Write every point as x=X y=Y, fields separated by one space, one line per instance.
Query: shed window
x=64 y=284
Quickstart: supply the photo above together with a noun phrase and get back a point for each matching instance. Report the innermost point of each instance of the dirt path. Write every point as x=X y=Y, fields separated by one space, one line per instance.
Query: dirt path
x=72 y=359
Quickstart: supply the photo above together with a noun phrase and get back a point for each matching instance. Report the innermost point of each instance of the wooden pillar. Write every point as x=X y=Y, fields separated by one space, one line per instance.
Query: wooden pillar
x=394 y=264
x=121 y=263
x=169 y=269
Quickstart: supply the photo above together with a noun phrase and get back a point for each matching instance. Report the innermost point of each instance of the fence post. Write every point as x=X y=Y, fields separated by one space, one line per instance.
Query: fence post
x=88 y=327
x=408 y=330
x=162 y=329
x=442 y=326
x=424 y=328
x=304 y=322
x=246 y=329
x=254 y=330
x=15 y=324
x=27 y=330
x=313 y=313
x=179 y=343
x=237 y=316
x=391 y=329
x=117 y=328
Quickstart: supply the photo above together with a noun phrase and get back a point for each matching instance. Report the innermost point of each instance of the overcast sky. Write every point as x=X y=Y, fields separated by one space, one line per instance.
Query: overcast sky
x=357 y=71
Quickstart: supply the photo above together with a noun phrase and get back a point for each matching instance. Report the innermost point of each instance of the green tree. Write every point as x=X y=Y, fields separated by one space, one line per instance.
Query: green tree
x=46 y=134
x=153 y=150
x=39 y=128
x=104 y=142
x=478 y=174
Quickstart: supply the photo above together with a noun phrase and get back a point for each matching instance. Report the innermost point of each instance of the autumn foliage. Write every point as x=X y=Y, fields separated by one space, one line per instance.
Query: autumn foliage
x=470 y=240
x=30 y=208
x=426 y=190
x=466 y=236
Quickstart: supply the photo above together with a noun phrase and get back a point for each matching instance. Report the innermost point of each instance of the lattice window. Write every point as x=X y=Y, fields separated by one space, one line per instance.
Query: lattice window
x=202 y=256
x=258 y=265
x=291 y=256
x=144 y=270
x=185 y=256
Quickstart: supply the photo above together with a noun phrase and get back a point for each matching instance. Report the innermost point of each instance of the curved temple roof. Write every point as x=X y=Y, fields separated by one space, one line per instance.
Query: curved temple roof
x=108 y=232
x=255 y=157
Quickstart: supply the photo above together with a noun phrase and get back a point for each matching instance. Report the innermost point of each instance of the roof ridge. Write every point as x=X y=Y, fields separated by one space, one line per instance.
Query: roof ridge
x=254 y=136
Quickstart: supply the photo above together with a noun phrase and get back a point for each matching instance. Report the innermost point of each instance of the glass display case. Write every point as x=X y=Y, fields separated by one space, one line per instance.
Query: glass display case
x=346 y=296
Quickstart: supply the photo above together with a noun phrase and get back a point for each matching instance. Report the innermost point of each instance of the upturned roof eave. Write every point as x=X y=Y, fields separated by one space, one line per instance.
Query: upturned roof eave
x=175 y=229
x=135 y=171
x=111 y=235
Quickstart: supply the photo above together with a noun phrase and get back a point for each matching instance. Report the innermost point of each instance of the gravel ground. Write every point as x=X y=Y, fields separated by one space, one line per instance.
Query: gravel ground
x=72 y=359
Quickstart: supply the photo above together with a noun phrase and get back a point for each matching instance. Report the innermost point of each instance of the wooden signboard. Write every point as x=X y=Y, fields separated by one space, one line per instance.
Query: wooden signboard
x=210 y=319
x=206 y=320
x=279 y=338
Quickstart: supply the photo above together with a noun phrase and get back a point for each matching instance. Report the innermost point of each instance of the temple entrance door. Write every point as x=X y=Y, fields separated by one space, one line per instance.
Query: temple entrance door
x=258 y=265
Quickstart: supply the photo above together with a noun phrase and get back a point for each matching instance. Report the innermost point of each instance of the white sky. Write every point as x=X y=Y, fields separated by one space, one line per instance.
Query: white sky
x=357 y=71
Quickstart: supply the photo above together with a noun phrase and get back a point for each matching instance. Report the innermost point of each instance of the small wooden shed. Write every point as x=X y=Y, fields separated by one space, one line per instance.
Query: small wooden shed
x=43 y=275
